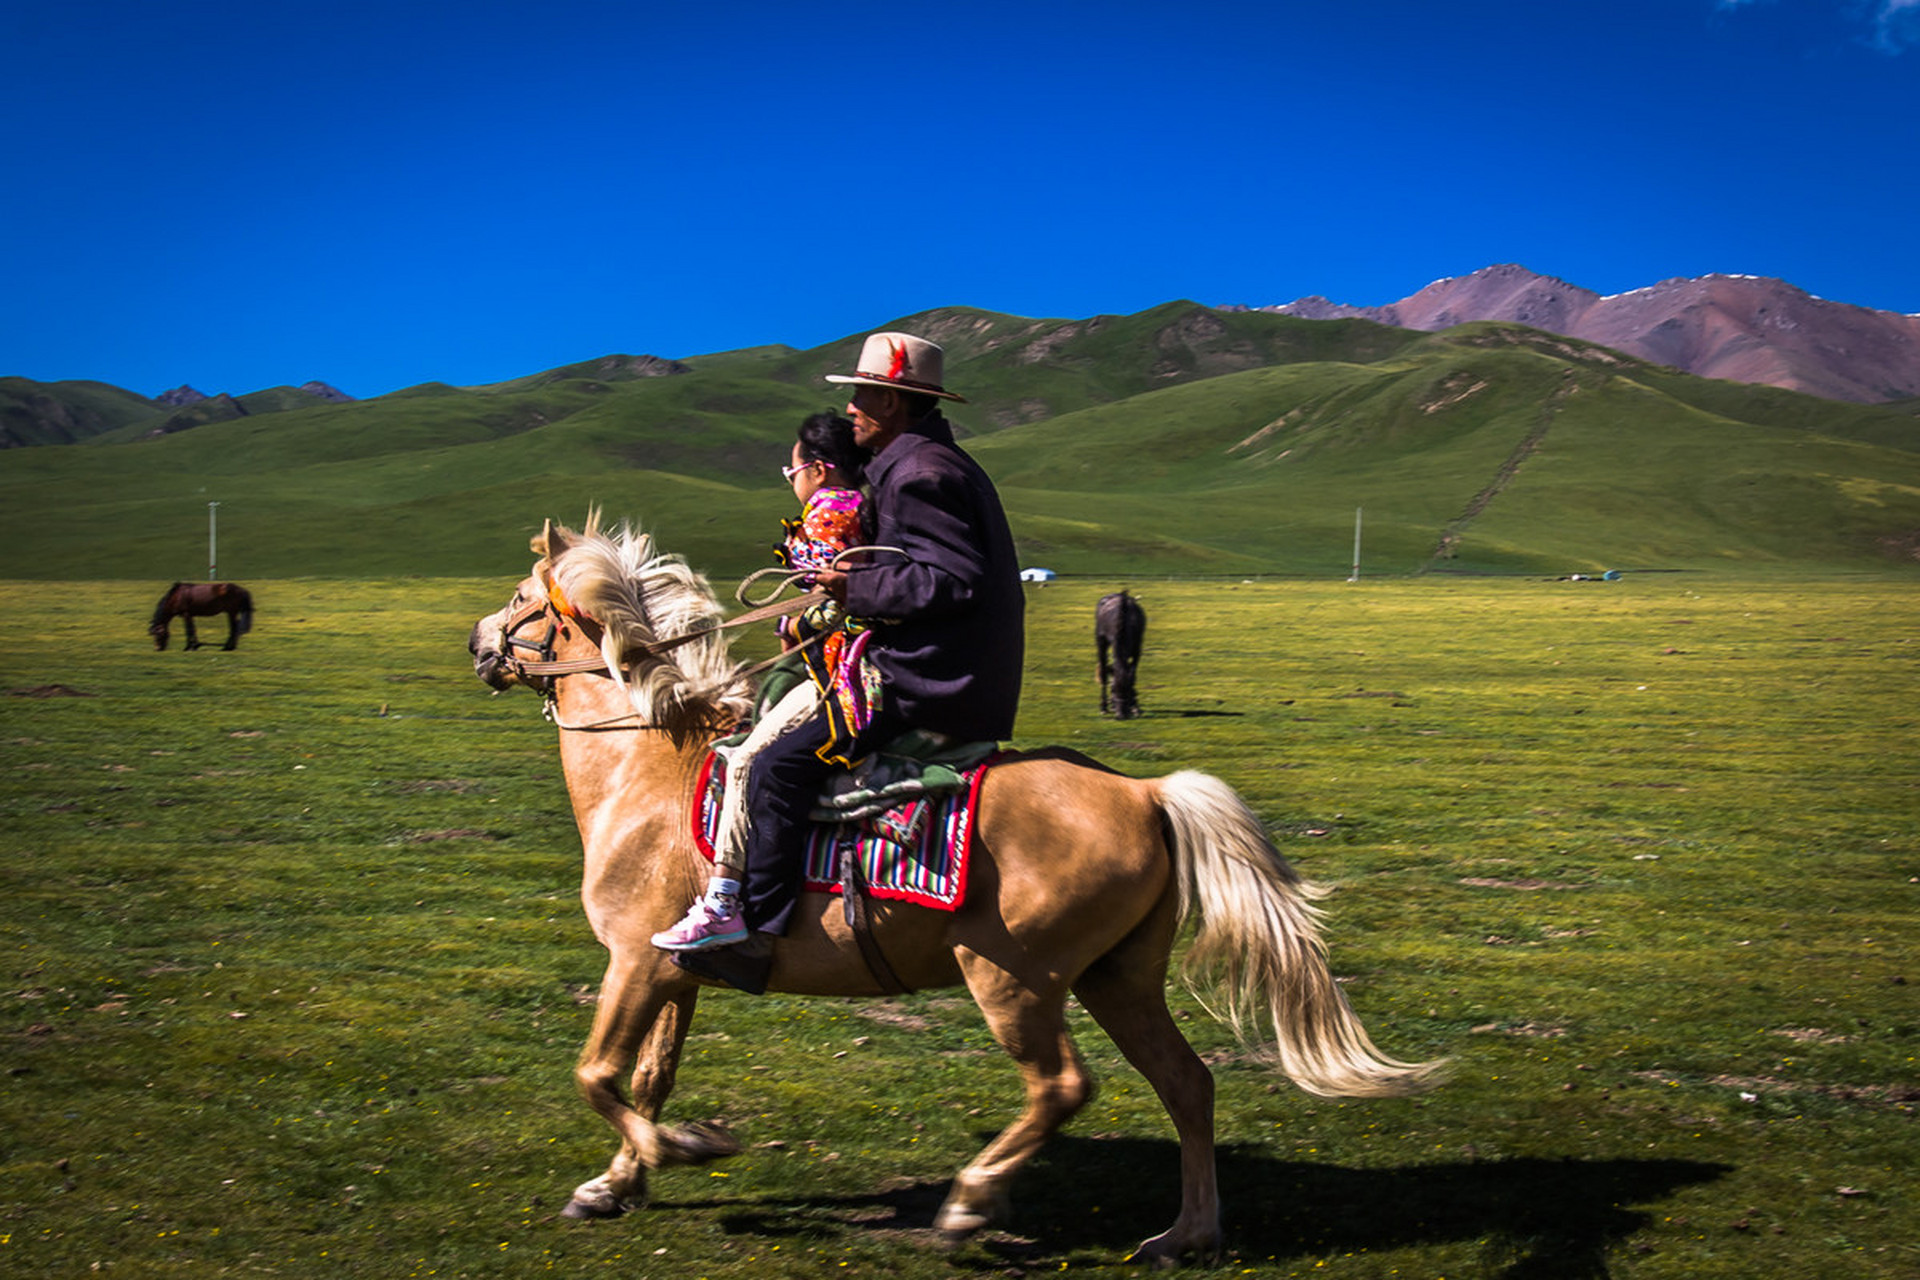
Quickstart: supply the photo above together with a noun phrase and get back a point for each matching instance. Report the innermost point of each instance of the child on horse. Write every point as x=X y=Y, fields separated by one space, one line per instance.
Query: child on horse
x=825 y=475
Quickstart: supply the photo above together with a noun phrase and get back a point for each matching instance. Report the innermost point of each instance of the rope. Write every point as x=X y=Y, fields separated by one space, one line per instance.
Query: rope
x=760 y=611
x=575 y=666
x=793 y=577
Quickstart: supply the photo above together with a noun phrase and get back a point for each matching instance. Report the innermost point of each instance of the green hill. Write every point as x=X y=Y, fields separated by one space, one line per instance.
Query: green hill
x=35 y=413
x=1181 y=439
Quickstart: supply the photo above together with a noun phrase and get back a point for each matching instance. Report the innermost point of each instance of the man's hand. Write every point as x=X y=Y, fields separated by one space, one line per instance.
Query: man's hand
x=833 y=582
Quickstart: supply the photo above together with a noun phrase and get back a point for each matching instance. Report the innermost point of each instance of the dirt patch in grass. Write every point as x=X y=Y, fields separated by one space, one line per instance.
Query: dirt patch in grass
x=1813 y=1035
x=895 y=1017
x=1901 y=1096
x=1536 y=1030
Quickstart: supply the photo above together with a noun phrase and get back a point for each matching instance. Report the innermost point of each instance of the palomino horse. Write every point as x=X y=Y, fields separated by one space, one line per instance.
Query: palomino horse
x=1119 y=625
x=1079 y=881
x=190 y=600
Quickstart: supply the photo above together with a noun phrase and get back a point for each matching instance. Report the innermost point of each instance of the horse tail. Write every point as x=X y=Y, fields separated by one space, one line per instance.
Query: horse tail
x=1258 y=954
x=243 y=618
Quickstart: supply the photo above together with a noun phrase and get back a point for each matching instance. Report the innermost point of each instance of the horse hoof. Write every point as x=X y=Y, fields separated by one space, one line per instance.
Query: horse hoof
x=957 y=1220
x=1158 y=1259
x=593 y=1200
x=952 y=1240
x=699 y=1143
x=955 y=1230
x=1164 y=1252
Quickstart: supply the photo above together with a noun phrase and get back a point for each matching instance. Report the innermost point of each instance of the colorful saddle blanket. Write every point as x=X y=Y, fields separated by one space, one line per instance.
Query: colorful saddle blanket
x=913 y=851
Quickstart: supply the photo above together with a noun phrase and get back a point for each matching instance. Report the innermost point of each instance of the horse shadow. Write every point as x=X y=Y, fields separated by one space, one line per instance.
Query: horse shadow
x=1534 y=1218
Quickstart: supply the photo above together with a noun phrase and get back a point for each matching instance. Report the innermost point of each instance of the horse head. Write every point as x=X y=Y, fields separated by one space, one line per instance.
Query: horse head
x=530 y=613
x=162 y=615
x=651 y=619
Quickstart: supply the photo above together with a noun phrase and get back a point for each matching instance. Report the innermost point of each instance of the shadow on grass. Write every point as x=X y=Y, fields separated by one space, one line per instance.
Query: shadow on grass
x=1534 y=1218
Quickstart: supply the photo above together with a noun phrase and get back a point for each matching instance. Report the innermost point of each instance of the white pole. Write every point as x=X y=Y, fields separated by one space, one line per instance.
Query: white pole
x=213 y=541
x=1356 y=546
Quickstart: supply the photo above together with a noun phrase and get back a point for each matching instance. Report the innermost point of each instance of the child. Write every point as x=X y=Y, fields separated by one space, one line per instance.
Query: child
x=825 y=475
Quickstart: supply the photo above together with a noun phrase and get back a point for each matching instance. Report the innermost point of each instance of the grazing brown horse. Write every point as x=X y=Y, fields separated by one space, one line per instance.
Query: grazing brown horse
x=1119 y=627
x=190 y=600
x=1080 y=879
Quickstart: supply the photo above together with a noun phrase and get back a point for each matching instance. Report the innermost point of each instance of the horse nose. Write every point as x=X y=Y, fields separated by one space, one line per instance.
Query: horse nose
x=486 y=658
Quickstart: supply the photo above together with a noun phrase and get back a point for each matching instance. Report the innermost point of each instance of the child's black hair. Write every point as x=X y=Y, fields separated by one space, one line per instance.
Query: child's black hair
x=828 y=437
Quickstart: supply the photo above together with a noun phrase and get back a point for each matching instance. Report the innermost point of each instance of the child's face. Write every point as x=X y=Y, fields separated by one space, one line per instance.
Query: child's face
x=805 y=476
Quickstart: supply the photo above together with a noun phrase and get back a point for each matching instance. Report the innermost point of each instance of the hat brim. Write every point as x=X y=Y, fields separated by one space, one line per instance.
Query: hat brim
x=862 y=380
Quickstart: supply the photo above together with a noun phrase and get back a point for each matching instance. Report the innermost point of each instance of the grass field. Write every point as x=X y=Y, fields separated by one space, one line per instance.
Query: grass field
x=295 y=970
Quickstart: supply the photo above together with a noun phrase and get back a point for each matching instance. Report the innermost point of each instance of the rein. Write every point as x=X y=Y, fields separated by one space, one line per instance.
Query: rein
x=789 y=577
x=546 y=666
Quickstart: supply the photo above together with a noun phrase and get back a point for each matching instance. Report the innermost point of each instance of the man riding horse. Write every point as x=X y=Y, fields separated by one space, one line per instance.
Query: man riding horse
x=942 y=599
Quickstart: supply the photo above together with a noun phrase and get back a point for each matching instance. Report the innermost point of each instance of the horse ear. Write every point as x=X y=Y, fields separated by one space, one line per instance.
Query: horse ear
x=551 y=541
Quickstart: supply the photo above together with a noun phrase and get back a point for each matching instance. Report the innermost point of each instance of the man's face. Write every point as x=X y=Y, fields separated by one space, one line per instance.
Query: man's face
x=873 y=411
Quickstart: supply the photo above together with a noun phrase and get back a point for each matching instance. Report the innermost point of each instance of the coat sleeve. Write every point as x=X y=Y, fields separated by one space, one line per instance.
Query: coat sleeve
x=934 y=517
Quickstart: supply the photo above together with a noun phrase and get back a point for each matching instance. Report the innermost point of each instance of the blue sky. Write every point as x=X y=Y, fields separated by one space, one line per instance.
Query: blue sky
x=243 y=195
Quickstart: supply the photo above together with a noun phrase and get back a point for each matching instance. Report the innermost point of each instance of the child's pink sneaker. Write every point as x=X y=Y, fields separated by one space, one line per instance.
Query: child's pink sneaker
x=704 y=926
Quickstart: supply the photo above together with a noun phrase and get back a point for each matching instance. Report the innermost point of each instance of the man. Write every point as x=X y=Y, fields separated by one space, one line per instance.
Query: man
x=944 y=607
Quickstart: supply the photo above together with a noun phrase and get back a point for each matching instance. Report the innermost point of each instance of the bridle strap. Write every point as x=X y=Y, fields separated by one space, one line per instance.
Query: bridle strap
x=547 y=665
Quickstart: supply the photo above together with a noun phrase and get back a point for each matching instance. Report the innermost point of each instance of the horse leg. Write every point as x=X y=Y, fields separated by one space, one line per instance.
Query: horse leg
x=233 y=630
x=193 y=640
x=1106 y=674
x=1030 y=1024
x=641 y=1023
x=1126 y=706
x=1125 y=992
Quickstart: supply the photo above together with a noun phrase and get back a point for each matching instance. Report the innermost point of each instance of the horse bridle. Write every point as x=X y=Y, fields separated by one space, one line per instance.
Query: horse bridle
x=546 y=666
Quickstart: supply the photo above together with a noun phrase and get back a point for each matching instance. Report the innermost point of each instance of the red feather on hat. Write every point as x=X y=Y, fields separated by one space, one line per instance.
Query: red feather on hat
x=899 y=366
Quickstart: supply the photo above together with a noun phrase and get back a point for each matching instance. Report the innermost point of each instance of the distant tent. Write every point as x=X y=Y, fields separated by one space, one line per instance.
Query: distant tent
x=1037 y=575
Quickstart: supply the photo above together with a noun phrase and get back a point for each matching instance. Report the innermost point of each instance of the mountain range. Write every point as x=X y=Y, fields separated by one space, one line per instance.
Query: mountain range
x=1741 y=328
x=1182 y=439
x=1736 y=328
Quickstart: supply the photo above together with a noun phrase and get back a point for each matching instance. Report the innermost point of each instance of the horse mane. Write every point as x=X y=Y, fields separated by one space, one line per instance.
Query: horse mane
x=640 y=595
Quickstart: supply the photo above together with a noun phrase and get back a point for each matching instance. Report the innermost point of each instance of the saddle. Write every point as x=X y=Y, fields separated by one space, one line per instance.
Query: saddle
x=899 y=826
x=903 y=817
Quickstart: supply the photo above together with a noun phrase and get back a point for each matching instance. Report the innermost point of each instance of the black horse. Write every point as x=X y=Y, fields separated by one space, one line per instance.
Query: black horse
x=1119 y=625
x=192 y=600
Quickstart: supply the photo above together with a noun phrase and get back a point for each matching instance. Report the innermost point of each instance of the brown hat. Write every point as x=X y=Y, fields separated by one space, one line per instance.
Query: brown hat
x=900 y=361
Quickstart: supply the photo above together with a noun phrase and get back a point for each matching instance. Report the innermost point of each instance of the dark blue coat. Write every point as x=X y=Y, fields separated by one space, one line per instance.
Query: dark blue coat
x=950 y=635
